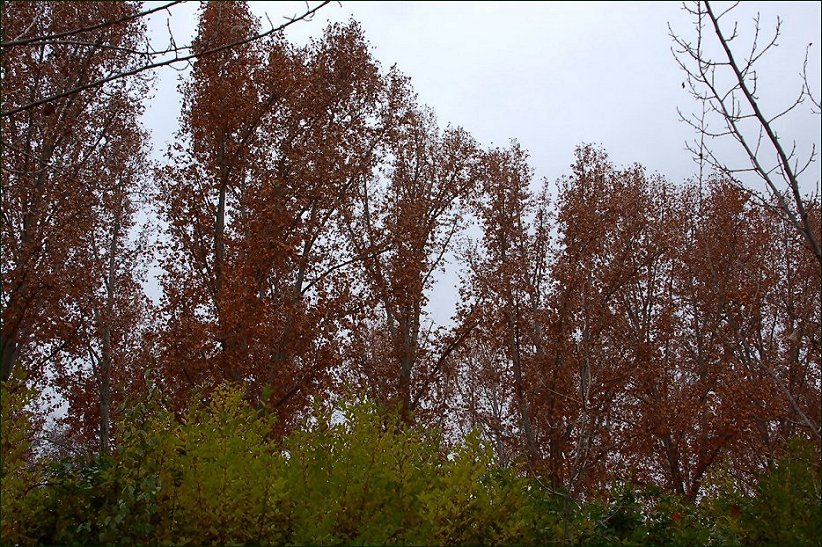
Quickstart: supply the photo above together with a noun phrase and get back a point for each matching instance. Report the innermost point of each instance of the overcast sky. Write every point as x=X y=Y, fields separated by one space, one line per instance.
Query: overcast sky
x=552 y=75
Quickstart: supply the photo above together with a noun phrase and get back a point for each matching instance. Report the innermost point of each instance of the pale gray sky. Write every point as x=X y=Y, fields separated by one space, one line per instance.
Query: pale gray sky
x=552 y=75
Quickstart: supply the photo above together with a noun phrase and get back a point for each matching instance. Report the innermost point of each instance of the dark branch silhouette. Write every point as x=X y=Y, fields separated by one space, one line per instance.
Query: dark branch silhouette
x=737 y=103
x=147 y=55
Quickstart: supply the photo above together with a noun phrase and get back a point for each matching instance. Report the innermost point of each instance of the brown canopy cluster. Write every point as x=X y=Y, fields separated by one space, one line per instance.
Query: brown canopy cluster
x=629 y=328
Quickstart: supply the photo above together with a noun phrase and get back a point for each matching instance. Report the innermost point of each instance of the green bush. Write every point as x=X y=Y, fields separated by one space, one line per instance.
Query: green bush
x=18 y=478
x=645 y=516
x=206 y=478
x=140 y=481
x=787 y=508
x=355 y=474
x=229 y=489
x=474 y=502
x=366 y=479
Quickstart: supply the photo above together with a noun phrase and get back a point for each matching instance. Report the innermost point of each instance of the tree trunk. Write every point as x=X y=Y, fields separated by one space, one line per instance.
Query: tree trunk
x=105 y=390
x=406 y=362
x=9 y=352
x=106 y=357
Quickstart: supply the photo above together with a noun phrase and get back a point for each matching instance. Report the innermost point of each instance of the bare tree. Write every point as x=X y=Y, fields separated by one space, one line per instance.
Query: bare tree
x=727 y=84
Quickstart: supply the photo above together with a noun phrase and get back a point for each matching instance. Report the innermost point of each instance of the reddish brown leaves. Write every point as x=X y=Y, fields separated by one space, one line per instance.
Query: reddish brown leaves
x=667 y=337
x=276 y=146
x=70 y=167
x=636 y=329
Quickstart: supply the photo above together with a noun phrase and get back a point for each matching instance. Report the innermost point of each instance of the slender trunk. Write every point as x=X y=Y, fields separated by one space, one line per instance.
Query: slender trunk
x=225 y=338
x=406 y=366
x=281 y=356
x=584 y=422
x=105 y=390
x=672 y=455
x=519 y=393
x=219 y=244
x=106 y=357
x=9 y=352
x=516 y=363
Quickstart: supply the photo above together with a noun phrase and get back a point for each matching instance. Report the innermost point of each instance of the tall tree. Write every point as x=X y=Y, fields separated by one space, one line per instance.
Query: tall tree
x=719 y=387
x=53 y=166
x=272 y=141
x=606 y=312
x=413 y=211
x=114 y=312
x=509 y=281
x=222 y=112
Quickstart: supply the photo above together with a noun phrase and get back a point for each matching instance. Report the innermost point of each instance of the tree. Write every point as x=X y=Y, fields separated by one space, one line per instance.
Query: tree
x=727 y=86
x=679 y=307
x=509 y=283
x=115 y=312
x=414 y=213
x=71 y=169
x=272 y=141
x=53 y=167
x=209 y=164
x=607 y=308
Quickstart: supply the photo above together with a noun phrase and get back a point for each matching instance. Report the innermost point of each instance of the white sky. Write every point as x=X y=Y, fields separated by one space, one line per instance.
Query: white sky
x=552 y=75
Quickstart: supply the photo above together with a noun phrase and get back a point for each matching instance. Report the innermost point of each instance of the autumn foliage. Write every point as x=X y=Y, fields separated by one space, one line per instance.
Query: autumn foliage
x=613 y=329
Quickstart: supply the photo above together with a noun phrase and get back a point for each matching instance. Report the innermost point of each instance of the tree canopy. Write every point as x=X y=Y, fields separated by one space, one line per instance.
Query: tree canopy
x=632 y=360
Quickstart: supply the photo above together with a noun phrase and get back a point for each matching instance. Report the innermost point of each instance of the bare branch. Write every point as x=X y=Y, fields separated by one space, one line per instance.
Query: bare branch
x=814 y=101
x=48 y=38
x=738 y=103
x=150 y=66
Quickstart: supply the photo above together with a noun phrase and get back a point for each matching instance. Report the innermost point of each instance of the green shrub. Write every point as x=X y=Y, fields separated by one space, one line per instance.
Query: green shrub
x=364 y=478
x=209 y=477
x=18 y=477
x=140 y=482
x=229 y=487
x=355 y=474
x=474 y=502
x=786 y=509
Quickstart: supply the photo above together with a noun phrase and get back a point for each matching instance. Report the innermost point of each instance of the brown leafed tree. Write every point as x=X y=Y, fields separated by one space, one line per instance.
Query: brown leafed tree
x=404 y=225
x=222 y=112
x=110 y=355
x=721 y=389
x=508 y=284
x=722 y=61
x=677 y=314
x=70 y=169
x=273 y=140
x=606 y=312
x=677 y=417
x=53 y=168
